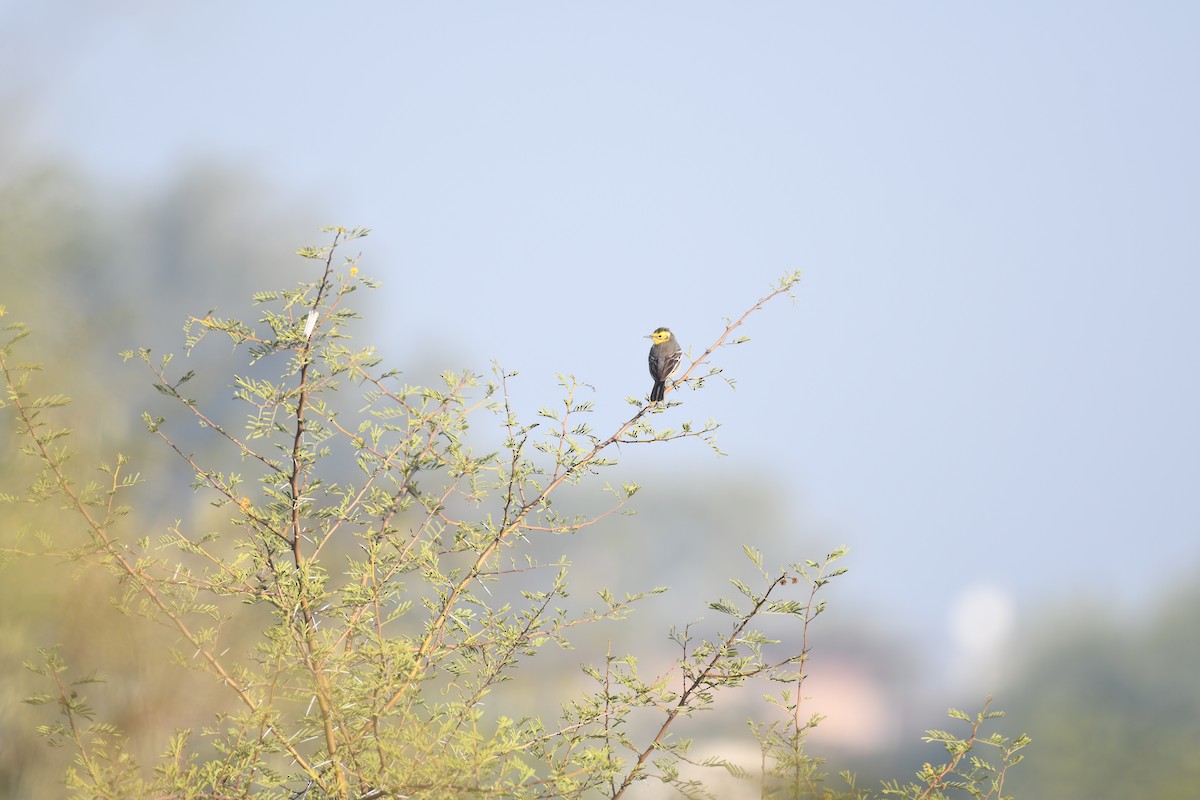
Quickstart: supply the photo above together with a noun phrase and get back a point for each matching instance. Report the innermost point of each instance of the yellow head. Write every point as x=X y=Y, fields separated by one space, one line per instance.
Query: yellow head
x=660 y=336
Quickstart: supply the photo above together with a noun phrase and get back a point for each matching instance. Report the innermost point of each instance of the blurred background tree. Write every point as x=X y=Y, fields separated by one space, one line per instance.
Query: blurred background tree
x=95 y=269
x=1113 y=698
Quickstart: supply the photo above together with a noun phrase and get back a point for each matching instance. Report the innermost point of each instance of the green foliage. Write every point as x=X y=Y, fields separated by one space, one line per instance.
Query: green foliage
x=967 y=772
x=386 y=575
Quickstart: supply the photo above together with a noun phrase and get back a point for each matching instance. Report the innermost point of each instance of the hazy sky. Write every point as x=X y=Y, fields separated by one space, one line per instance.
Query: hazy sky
x=988 y=386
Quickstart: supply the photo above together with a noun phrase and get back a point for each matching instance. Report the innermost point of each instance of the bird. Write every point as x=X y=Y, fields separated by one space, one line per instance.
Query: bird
x=664 y=359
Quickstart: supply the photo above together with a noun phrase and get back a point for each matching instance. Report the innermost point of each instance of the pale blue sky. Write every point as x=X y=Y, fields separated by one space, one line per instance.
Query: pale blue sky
x=991 y=371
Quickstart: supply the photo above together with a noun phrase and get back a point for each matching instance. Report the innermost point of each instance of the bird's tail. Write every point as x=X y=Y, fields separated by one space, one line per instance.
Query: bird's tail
x=656 y=394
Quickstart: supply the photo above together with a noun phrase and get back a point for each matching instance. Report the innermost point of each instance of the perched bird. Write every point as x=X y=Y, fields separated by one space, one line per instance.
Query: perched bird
x=664 y=359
